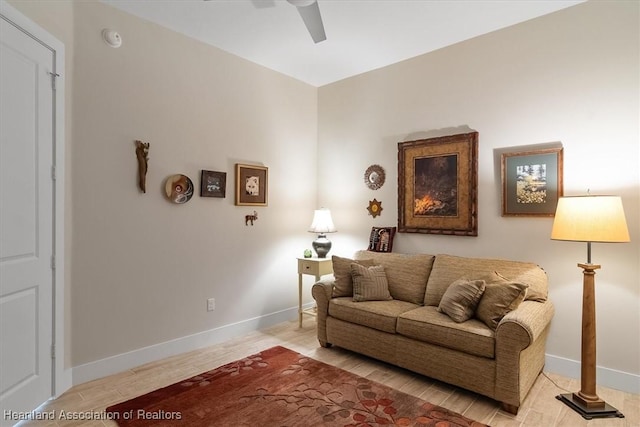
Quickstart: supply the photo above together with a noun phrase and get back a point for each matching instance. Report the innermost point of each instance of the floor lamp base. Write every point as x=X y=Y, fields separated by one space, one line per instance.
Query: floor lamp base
x=589 y=413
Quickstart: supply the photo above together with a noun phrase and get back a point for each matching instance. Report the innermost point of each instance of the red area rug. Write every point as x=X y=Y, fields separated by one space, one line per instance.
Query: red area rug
x=279 y=387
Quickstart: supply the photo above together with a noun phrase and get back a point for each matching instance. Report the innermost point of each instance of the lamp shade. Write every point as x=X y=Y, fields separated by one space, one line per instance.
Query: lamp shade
x=322 y=222
x=590 y=219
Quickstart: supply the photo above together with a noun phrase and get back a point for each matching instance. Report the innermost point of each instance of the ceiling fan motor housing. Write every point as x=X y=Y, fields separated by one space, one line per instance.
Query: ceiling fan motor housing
x=301 y=3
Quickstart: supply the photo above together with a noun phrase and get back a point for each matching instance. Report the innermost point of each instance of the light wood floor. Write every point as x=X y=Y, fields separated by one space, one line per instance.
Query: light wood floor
x=539 y=409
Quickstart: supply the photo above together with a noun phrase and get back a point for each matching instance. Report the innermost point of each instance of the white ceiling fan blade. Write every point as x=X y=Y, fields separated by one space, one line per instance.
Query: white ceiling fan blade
x=311 y=16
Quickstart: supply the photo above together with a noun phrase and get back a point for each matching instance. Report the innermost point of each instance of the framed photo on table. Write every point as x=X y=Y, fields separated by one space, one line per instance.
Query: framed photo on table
x=438 y=185
x=531 y=182
x=252 y=185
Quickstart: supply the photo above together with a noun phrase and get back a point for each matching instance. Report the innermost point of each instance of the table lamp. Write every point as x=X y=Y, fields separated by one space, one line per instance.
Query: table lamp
x=322 y=224
x=589 y=219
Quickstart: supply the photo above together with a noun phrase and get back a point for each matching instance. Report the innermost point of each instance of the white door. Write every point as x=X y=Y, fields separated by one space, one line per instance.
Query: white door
x=26 y=221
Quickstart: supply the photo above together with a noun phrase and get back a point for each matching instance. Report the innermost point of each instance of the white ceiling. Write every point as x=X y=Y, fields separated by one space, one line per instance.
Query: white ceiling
x=362 y=35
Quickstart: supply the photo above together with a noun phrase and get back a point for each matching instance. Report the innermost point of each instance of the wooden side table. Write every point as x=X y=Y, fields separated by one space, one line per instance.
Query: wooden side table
x=315 y=267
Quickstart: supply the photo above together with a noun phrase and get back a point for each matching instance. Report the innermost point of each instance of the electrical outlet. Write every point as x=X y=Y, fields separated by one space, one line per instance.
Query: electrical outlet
x=211 y=304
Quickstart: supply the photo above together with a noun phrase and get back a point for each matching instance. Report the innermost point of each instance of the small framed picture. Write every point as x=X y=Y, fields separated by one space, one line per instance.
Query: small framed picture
x=531 y=182
x=252 y=185
x=213 y=184
x=381 y=239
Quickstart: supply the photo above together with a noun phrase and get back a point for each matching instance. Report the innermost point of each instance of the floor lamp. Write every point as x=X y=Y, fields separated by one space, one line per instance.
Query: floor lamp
x=589 y=219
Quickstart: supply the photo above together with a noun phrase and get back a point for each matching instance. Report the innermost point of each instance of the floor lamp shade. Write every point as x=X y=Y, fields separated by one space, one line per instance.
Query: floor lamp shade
x=589 y=219
x=322 y=224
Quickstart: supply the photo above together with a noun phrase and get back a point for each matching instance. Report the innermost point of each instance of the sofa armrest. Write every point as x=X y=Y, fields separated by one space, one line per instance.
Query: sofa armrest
x=520 y=349
x=531 y=316
x=321 y=292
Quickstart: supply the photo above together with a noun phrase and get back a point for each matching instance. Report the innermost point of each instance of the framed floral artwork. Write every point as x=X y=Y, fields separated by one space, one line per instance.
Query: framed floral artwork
x=531 y=182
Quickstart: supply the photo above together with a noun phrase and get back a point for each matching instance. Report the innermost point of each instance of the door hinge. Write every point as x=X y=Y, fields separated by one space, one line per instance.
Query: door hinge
x=53 y=351
x=53 y=79
x=53 y=262
x=53 y=172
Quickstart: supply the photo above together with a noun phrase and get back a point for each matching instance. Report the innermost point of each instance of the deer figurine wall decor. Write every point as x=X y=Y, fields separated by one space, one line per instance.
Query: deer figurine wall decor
x=250 y=218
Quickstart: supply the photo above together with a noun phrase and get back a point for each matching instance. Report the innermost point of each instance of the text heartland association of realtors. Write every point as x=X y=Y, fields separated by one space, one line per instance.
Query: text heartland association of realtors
x=89 y=415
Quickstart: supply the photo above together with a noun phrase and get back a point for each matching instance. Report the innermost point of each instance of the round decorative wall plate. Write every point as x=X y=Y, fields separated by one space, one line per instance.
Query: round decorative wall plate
x=178 y=188
x=374 y=177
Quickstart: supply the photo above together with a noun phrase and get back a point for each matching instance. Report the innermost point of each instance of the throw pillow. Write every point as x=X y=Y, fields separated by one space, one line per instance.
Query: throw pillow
x=343 y=283
x=461 y=298
x=369 y=283
x=381 y=239
x=407 y=274
x=499 y=298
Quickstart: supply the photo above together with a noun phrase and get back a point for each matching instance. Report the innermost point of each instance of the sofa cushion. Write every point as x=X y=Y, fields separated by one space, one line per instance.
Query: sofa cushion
x=343 y=283
x=369 y=283
x=461 y=299
x=428 y=325
x=448 y=268
x=500 y=297
x=380 y=315
x=407 y=274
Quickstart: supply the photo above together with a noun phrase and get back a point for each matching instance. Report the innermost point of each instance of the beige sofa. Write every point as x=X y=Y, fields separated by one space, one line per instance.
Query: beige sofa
x=409 y=331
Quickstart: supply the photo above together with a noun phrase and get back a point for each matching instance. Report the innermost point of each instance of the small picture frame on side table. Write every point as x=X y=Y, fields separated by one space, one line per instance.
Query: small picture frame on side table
x=531 y=182
x=213 y=184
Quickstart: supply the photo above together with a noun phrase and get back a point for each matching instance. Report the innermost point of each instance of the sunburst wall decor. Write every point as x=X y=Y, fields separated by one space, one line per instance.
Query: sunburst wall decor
x=374 y=208
x=374 y=177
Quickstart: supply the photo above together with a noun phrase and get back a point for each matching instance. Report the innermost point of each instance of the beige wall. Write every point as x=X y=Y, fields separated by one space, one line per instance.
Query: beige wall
x=570 y=77
x=143 y=267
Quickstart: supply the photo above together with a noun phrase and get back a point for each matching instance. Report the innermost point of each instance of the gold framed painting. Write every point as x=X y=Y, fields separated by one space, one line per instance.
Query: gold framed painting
x=531 y=182
x=438 y=185
x=252 y=185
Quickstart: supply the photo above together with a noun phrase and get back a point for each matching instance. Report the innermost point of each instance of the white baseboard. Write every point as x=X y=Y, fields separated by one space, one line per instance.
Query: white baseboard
x=611 y=378
x=606 y=377
x=121 y=362
x=63 y=382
